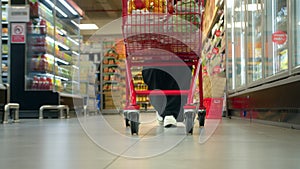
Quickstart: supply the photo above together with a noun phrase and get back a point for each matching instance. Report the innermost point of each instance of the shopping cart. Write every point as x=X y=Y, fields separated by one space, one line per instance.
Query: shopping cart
x=169 y=26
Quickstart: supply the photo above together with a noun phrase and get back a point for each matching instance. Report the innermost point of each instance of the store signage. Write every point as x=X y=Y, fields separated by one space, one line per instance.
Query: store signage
x=279 y=37
x=18 y=32
x=218 y=33
x=215 y=51
x=19 y=13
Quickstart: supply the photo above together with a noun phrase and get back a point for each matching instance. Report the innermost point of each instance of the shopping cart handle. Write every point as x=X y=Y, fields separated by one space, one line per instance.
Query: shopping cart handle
x=163 y=92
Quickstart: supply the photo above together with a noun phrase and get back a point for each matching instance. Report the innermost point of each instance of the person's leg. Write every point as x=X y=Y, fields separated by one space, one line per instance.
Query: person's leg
x=178 y=79
x=153 y=78
x=168 y=78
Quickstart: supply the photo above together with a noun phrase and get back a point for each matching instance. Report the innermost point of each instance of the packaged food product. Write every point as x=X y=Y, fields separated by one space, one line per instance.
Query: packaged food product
x=43 y=26
x=145 y=6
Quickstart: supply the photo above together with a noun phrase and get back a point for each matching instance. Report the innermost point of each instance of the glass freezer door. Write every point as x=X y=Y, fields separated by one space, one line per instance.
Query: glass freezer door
x=254 y=40
x=239 y=43
x=276 y=50
x=296 y=33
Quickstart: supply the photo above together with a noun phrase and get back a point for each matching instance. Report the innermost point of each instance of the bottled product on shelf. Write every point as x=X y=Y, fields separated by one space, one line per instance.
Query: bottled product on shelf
x=139 y=85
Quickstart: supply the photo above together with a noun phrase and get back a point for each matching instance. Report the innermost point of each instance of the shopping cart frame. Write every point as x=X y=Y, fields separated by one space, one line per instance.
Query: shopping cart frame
x=131 y=110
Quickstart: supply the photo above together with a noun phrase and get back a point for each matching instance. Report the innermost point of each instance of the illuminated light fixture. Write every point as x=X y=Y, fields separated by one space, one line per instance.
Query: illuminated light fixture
x=62 y=45
x=299 y=23
x=56 y=42
x=60 y=32
x=237 y=24
x=75 y=53
x=49 y=39
x=88 y=27
x=57 y=59
x=48 y=10
x=76 y=24
x=250 y=7
x=85 y=26
x=62 y=61
x=75 y=67
x=68 y=7
x=56 y=8
x=72 y=40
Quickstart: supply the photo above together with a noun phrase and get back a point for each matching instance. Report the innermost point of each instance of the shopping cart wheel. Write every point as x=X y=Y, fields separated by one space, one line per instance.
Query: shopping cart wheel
x=189 y=121
x=126 y=119
x=133 y=117
x=201 y=117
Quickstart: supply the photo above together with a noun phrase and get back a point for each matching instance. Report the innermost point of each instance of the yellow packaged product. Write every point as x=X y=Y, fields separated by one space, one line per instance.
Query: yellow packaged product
x=131 y=6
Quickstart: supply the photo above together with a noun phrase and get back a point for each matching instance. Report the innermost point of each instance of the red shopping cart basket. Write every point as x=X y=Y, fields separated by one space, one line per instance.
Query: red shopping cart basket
x=173 y=29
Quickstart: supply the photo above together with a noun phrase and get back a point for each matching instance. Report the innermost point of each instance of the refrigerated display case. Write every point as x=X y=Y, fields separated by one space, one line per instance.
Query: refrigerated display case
x=254 y=40
x=45 y=70
x=276 y=38
x=296 y=35
x=268 y=33
x=3 y=58
x=4 y=43
x=52 y=53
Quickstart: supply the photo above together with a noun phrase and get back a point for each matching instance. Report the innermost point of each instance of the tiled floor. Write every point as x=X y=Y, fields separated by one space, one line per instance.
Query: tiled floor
x=99 y=142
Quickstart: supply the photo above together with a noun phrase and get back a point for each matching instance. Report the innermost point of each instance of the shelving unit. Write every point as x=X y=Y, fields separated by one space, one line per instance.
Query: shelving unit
x=88 y=79
x=213 y=53
x=214 y=57
x=139 y=85
x=112 y=77
x=4 y=43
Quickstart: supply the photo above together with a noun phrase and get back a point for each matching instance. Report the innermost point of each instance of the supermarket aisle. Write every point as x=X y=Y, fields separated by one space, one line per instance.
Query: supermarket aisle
x=63 y=144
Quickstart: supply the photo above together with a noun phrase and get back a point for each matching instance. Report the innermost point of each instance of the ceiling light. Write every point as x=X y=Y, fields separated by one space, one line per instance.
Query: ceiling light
x=61 y=12
x=299 y=23
x=68 y=7
x=56 y=8
x=88 y=26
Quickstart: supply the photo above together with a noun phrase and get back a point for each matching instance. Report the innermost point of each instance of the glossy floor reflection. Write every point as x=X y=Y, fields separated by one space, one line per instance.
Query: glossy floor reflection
x=97 y=142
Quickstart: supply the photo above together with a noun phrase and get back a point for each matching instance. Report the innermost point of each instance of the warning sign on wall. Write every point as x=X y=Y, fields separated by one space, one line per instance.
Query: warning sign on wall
x=18 y=32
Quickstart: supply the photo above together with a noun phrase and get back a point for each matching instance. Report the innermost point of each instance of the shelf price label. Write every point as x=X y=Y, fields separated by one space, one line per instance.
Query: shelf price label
x=215 y=50
x=218 y=33
x=18 y=32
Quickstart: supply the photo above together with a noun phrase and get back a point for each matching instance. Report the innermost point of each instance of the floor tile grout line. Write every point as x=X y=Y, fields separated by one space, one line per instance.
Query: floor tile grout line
x=119 y=156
